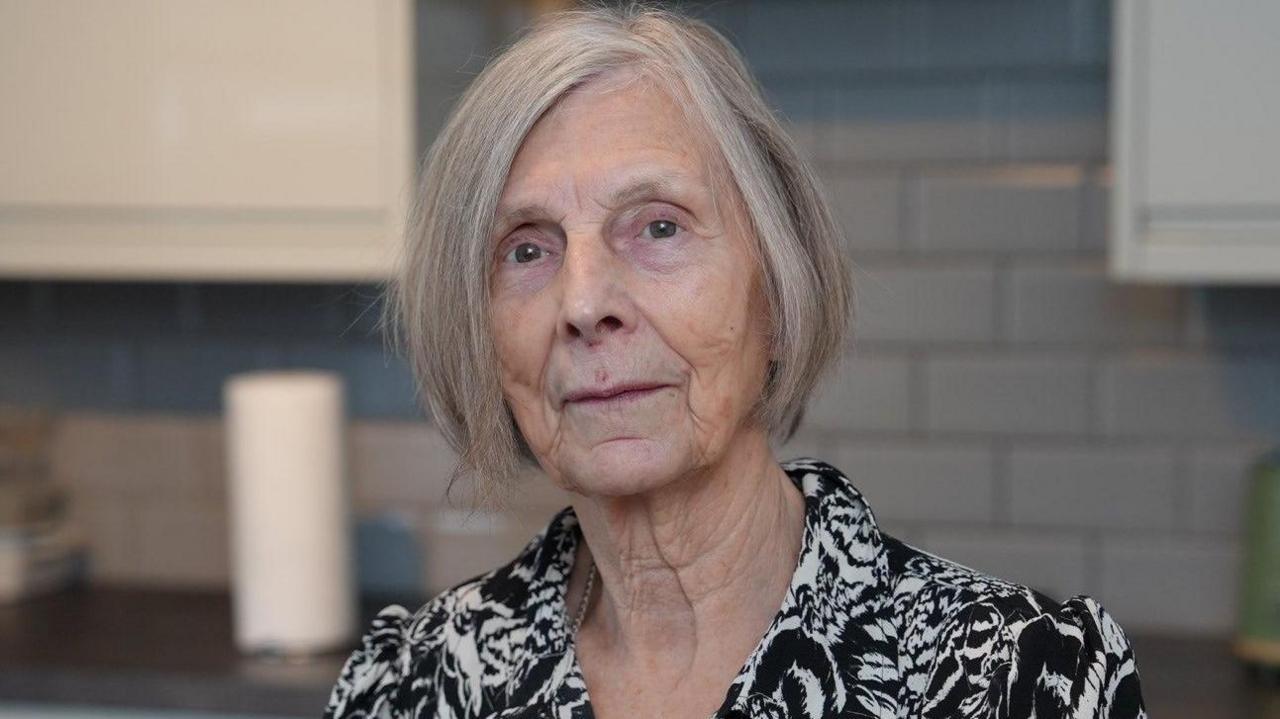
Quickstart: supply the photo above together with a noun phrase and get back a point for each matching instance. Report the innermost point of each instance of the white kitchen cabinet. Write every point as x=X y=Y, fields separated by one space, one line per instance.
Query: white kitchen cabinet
x=1196 y=141
x=209 y=139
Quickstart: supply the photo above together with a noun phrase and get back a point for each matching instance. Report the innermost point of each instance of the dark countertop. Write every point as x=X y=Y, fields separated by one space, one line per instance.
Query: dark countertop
x=153 y=649
x=143 y=648
x=1185 y=677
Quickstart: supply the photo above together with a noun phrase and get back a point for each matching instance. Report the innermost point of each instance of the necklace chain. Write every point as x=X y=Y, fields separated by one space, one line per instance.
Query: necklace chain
x=586 y=597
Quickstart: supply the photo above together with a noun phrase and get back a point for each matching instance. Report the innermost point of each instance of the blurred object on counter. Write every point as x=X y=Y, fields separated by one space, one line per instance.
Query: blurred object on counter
x=41 y=550
x=1258 y=629
x=290 y=526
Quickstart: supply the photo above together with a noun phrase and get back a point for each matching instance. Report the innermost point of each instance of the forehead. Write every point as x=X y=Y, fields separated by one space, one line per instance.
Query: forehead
x=605 y=131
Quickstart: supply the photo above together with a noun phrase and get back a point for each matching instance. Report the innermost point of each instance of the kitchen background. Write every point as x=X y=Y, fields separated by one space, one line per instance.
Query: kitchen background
x=1004 y=403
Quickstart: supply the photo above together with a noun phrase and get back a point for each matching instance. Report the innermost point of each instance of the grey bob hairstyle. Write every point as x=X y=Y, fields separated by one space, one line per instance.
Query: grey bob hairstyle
x=438 y=300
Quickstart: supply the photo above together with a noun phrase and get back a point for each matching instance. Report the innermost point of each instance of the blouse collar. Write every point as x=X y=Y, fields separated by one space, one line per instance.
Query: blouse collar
x=837 y=594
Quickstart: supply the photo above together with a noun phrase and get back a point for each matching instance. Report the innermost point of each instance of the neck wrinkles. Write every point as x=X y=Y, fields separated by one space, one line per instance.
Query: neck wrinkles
x=551 y=650
x=722 y=544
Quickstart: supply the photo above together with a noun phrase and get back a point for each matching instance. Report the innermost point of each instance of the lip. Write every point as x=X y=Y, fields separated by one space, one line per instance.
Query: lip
x=613 y=393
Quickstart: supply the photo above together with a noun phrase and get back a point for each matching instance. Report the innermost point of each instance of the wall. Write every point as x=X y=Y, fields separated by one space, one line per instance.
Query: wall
x=1003 y=403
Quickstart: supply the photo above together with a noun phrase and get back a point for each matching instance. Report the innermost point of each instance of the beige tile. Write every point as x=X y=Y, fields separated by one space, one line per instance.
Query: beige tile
x=1175 y=394
x=915 y=481
x=1171 y=584
x=208 y=438
x=1076 y=302
x=806 y=443
x=534 y=491
x=140 y=454
x=393 y=462
x=458 y=546
x=182 y=543
x=932 y=302
x=1054 y=563
x=1033 y=394
x=867 y=207
x=1026 y=208
x=1090 y=486
x=1220 y=478
x=83 y=453
x=905 y=140
x=108 y=521
x=865 y=393
x=807 y=136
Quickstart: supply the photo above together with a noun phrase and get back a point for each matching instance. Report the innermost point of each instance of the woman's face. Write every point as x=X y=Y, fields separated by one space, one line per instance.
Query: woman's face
x=626 y=309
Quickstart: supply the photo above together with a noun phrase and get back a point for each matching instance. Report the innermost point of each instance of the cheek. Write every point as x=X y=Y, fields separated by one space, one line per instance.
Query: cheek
x=717 y=321
x=517 y=328
x=717 y=325
x=716 y=328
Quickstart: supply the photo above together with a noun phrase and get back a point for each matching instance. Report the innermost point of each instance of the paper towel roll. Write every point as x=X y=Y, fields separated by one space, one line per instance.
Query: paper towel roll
x=292 y=588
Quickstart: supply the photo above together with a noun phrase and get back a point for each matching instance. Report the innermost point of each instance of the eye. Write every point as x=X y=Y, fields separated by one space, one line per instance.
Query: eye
x=524 y=253
x=661 y=229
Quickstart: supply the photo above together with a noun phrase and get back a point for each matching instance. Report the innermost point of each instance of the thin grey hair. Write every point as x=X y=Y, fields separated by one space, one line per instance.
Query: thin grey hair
x=437 y=304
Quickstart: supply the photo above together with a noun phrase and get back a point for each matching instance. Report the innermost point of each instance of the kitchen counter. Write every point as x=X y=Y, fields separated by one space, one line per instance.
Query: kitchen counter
x=151 y=649
x=140 y=648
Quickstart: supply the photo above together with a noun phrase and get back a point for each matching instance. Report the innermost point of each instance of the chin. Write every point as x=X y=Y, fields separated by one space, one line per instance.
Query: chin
x=627 y=466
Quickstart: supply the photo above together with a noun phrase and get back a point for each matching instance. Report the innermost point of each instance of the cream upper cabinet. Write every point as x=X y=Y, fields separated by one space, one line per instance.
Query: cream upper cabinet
x=215 y=139
x=1196 y=141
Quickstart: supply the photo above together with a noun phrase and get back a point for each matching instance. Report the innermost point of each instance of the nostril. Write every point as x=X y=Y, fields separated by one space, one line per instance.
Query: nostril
x=592 y=332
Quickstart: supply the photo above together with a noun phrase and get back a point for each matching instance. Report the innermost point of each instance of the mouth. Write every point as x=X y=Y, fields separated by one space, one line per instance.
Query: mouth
x=617 y=395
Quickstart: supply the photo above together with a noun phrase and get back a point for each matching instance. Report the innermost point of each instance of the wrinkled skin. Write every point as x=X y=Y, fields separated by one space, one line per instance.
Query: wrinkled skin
x=600 y=300
x=622 y=258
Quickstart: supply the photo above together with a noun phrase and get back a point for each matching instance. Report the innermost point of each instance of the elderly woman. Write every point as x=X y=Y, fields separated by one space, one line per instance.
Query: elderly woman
x=620 y=269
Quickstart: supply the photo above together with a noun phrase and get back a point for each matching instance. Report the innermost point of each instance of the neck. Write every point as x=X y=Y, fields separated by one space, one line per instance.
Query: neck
x=696 y=560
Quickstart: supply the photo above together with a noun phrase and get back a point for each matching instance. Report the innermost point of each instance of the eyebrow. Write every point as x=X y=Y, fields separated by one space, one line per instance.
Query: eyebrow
x=646 y=187
x=655 y=187
x=520 y=216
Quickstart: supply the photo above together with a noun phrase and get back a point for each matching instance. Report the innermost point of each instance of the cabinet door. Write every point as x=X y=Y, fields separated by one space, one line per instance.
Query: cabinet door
x=1196 y=140
x=204 y=138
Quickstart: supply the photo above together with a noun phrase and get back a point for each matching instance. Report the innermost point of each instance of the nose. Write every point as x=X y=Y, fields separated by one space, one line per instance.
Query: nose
x=594 y=304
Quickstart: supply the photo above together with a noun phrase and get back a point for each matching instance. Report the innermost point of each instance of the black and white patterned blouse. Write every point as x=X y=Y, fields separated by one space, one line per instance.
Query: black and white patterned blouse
x=870 y=627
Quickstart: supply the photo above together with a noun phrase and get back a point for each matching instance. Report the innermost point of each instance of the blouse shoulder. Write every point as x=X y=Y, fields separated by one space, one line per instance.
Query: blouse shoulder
x=372 y=672
x=372 y=675
x=399 y=657
x=1013 y=656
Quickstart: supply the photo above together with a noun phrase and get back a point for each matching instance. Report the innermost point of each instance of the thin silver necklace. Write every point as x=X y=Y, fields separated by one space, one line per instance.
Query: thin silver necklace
x=586 y=597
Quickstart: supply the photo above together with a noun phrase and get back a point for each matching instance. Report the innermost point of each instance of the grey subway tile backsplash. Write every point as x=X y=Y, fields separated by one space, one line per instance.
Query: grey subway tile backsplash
x=1003 y=401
